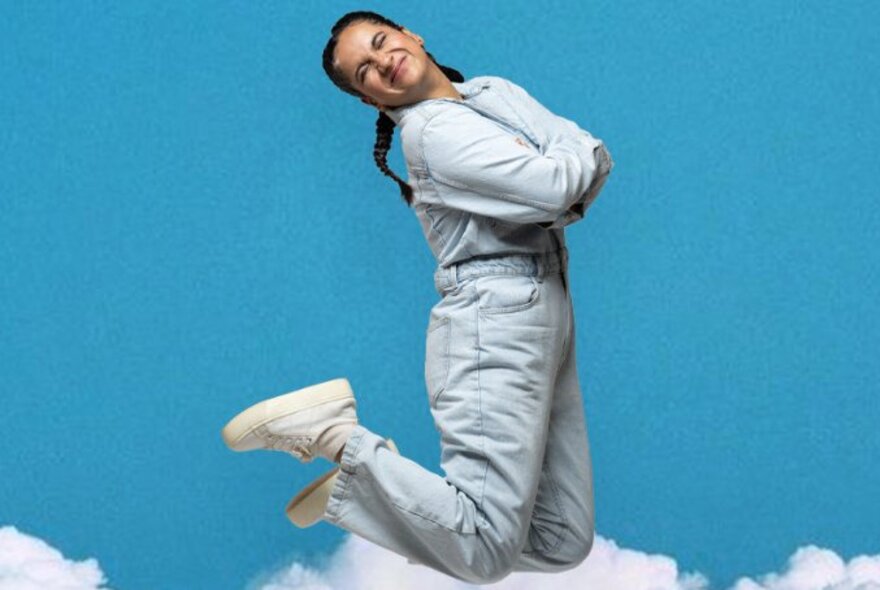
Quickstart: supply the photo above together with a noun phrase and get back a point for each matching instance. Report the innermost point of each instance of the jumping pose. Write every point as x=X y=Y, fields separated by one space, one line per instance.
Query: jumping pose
x=494 y=178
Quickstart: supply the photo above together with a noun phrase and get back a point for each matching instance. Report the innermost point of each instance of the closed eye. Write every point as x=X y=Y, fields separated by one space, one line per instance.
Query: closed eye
x=363 y=71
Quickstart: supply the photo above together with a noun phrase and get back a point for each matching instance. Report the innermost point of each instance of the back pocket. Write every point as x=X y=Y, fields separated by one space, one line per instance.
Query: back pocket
x=437 y=357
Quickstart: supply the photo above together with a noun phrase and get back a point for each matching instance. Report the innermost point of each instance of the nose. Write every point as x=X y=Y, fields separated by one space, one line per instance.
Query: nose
x=387 y=62
x=387 y=65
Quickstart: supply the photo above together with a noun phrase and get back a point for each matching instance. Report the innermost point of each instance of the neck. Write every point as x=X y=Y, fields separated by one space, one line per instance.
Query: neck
x=441 y=86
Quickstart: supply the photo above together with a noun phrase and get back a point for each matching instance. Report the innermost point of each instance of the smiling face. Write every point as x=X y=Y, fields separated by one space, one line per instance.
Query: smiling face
x=388 y=66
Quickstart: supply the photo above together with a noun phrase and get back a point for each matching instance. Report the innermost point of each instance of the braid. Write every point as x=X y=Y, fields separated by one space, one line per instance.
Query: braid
x=384 y=124
x=384 y=133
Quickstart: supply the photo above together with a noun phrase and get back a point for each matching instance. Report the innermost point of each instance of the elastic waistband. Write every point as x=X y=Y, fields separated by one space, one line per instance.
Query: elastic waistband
x=538 y=265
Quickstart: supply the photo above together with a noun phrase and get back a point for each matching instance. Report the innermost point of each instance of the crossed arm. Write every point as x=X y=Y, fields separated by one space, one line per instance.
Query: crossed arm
x=468 y=154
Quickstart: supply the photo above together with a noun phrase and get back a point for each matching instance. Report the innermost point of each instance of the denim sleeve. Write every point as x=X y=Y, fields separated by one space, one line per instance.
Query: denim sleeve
x=480 y=167
x=577 y=211
x=552 y=128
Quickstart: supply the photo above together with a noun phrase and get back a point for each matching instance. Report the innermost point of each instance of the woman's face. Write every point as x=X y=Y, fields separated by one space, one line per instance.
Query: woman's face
x=388 y=66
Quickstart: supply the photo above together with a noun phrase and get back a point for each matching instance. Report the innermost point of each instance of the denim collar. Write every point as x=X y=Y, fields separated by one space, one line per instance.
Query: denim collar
x=467 y=89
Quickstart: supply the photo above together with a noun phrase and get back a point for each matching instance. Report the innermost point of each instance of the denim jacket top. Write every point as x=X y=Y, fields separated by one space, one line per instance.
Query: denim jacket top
x=496 y=172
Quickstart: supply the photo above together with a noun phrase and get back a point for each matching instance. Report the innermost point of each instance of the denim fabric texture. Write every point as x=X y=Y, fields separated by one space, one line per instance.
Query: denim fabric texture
x=493 y=172
x=501 y=379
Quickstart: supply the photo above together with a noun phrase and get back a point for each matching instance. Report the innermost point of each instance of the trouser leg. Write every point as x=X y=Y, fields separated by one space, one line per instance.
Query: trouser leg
x=563 y=522
x=492 y=408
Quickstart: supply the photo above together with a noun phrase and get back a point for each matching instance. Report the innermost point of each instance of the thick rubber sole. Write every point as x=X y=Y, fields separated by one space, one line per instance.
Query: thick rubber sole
x=306 y=508
x=275 y=407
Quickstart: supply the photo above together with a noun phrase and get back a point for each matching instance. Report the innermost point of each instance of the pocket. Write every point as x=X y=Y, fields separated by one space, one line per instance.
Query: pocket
x=437 y=357
x=506 y=293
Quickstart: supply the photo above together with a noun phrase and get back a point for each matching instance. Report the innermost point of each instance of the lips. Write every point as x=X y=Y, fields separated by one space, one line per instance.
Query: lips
x=396 y=69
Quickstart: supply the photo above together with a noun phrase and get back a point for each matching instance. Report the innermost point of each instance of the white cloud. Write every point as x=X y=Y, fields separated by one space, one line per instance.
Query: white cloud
x=29 y=563
x=814 y=568
x=361 y=565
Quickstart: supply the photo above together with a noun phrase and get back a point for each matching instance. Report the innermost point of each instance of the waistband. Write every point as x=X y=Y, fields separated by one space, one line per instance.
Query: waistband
x=537 y=265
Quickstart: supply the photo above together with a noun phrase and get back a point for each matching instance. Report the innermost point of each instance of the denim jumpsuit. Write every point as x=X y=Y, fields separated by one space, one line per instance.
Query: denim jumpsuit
x=496 y=177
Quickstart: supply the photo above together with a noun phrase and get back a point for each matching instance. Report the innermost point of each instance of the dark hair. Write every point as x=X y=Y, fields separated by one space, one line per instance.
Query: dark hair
x=384 y=124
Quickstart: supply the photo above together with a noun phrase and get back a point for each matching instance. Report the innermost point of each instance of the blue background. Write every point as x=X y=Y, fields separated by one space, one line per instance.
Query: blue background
x=191 y=220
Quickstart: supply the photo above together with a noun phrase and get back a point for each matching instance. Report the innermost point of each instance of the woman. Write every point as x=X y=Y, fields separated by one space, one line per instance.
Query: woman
x=494 y=177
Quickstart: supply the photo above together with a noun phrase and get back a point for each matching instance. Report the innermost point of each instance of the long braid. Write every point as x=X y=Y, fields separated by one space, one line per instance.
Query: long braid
x=384 y=124
x=384 y=134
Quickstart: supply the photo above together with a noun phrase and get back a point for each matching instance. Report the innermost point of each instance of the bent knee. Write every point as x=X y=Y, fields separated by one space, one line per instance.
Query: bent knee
x=575 y=548
x=492 y=560
x=492 y=568
x=485 y=573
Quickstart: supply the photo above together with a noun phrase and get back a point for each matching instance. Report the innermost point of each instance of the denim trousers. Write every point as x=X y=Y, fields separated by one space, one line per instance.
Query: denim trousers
x=502 y=384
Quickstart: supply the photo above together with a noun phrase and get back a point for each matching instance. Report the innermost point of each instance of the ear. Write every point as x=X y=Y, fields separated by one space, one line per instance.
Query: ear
x=409 y=33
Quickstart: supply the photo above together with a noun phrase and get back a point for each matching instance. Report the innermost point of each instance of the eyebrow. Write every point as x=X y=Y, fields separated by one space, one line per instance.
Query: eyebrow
x=373 y=45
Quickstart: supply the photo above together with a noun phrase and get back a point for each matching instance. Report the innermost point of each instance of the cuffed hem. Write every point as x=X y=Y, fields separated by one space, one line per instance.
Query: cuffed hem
x=347 y=470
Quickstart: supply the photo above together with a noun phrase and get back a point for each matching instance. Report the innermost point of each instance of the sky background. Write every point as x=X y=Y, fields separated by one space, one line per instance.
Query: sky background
x=191 y=220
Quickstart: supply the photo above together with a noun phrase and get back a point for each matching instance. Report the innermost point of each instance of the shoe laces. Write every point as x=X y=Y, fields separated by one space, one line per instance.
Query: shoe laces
x=298 y=445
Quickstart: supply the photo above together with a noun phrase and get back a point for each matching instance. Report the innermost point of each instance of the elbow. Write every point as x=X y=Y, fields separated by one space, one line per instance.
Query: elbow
x=574 y=172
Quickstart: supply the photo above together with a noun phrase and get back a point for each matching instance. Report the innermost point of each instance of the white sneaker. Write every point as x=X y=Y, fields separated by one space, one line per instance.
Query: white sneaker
x=306 y=508
x=293 y=422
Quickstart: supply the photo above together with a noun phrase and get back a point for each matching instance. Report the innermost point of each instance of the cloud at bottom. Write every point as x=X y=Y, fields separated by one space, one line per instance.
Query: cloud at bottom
x=361 y=565
x=29 y=563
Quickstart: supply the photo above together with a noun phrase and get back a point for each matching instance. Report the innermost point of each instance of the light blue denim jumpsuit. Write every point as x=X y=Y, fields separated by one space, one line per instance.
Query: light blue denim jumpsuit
x=496 y=177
